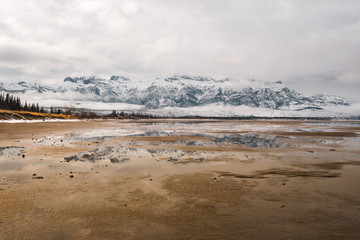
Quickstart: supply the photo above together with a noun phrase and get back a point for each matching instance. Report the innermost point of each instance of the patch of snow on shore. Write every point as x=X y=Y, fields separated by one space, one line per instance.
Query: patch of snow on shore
x=38 y=120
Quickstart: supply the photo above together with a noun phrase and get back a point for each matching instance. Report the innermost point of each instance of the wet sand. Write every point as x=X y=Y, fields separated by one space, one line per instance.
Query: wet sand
x=180 y=179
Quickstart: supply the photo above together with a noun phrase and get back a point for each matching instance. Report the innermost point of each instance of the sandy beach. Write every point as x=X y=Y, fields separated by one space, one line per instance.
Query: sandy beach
x=180 y=179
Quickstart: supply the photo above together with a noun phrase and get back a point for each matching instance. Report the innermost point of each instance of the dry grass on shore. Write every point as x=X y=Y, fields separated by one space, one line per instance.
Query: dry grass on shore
x=26 y=115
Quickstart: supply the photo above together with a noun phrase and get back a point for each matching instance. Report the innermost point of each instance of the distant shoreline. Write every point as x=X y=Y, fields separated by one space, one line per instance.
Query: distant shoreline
x=24 y=116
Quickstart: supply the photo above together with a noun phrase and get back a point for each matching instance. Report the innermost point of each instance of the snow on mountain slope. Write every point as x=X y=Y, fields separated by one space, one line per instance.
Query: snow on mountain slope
x=178 y=92
x=220 y=110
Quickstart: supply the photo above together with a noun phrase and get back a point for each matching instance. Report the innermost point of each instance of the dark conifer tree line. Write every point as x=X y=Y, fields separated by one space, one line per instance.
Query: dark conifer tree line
x=10 y=102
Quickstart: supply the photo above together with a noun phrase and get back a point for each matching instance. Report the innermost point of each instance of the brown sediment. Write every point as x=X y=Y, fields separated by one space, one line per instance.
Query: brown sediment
x=335 y=165
x=286 y=172
x=298 y=173
x=228 y=174
x=347 y=129
x=56 y=150
x=316 y=134
x=237 y=193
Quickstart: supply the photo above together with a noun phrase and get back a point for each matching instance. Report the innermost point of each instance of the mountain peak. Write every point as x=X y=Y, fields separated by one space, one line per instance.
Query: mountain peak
x=120 y=78
x=95 y=79
x=191 y=78
x=70 y=79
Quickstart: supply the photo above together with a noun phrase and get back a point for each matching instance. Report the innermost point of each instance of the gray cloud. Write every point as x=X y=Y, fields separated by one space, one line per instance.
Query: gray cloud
x=298 y=42
x=6 y=71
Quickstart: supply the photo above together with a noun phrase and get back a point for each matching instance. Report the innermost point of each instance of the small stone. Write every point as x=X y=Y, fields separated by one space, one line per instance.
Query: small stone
x=150 y=179
x=34 y=174
x=125 y=204
x=282 y=206
x=332 y=149
x=23 y=156
x=283 y=183
x=71 y=176
x=214 y=178
x=37 y=177
x=70 y=172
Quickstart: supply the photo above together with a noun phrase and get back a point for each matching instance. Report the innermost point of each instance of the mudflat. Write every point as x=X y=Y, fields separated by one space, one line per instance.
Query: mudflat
x=180 y=179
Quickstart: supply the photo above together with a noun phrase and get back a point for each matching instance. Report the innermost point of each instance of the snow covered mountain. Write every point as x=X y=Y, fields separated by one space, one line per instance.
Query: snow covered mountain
x=178 y=92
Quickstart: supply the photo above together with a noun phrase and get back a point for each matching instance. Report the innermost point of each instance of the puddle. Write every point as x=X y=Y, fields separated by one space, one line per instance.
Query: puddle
x=11 y=151
x=11 y=157
x=252 y=140
x=120 y=154
x=175 y=138
x=115 y=155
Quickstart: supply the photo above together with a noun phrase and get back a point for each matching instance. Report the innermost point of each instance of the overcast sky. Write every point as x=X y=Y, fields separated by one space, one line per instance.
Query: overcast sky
x=310 y=45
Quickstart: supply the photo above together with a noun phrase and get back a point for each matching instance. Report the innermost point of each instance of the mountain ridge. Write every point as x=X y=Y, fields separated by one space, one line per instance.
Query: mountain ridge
x=182 y=91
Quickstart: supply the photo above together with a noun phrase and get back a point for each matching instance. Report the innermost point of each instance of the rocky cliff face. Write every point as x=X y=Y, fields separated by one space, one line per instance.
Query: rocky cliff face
x=180 y=91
